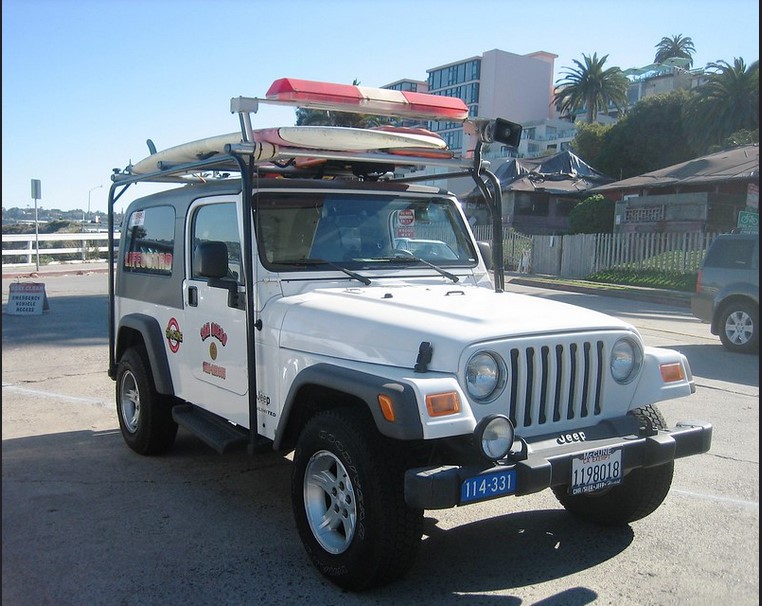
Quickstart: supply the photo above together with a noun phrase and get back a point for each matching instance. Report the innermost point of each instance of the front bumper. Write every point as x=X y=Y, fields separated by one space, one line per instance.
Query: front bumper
x=440 y=487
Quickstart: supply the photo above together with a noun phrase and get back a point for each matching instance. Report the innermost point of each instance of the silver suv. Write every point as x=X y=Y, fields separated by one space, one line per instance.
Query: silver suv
x=727 y=291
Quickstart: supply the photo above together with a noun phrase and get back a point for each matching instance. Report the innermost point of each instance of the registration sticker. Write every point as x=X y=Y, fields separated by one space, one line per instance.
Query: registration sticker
x=596 y=469
x=489 y=485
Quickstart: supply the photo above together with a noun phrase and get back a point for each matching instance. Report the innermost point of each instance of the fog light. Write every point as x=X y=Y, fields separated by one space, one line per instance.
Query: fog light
x=494 y=436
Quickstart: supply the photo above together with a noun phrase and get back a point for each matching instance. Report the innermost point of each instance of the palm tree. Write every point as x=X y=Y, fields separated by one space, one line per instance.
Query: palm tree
x=592 y=88
x=727 y=102
x=677 y=46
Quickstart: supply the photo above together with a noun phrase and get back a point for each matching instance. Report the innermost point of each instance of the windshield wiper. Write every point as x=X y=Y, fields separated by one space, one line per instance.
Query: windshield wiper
x=409 y=257
x=349 y=272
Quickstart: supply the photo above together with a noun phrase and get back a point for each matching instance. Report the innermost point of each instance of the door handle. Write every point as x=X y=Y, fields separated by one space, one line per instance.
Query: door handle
x=192 y=296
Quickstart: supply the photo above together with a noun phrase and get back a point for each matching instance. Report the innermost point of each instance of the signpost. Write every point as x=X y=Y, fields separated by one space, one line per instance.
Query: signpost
x=37 y=195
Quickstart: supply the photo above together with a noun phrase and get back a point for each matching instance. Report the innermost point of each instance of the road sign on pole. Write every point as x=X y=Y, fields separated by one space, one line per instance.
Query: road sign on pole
x=37 y=195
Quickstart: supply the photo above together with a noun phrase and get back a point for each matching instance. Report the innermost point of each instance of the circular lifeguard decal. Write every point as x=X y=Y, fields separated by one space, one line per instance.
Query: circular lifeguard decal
x=174 y=335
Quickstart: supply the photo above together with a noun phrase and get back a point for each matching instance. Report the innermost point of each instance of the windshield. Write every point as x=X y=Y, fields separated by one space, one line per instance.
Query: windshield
x=299 y=230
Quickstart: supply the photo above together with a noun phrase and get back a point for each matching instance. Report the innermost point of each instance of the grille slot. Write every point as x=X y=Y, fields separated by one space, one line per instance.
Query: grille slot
x=550 y=384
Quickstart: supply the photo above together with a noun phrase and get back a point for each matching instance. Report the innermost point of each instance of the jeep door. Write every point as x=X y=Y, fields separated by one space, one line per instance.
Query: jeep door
x=215 y=317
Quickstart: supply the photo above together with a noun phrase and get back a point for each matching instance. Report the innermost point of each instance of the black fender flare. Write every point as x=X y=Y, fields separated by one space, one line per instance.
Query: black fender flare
x=153 y=338
x=365 y=386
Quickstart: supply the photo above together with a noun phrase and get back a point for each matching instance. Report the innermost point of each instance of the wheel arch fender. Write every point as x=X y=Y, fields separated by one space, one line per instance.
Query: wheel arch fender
x=723 y=301
x=153 y=340
x=323 y=386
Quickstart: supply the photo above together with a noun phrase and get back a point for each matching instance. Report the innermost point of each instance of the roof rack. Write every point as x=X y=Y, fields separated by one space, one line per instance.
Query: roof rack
x=336 y=152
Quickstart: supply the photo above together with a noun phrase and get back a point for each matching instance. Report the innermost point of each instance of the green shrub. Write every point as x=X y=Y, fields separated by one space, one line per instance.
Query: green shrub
x=647 y=277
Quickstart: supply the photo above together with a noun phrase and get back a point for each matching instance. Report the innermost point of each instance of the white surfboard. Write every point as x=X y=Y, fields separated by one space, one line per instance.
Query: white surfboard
x=343 y=138
x=187 y=152
x=335 y=138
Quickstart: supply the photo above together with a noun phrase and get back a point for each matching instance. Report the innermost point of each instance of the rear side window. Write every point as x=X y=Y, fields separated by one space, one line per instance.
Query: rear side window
x=150 y=241
x=730 y=254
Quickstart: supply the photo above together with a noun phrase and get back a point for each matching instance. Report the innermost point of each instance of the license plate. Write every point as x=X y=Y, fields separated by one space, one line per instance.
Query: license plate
x=596 y=469
x=488 y=485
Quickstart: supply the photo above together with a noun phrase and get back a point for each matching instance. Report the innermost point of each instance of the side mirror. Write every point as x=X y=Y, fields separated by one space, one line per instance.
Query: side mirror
x=485 y=248
x=210 y=260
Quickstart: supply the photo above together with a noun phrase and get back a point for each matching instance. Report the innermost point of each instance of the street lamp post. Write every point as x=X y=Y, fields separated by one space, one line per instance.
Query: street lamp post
x=92 y=189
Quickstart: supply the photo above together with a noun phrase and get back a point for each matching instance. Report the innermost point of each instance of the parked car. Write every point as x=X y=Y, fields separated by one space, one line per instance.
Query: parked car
x=727 y=291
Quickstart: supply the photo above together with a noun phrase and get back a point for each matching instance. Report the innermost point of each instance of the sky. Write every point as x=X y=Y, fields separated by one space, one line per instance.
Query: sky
x=85 y=83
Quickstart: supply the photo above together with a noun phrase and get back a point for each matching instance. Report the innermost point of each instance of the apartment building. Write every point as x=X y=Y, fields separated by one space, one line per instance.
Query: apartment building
x=520 y=88
x=495 y=84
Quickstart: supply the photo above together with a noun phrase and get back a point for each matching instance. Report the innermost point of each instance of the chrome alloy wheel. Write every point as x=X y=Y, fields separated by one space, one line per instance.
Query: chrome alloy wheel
x=739 y=327
x=129 y=402
x=329 y=501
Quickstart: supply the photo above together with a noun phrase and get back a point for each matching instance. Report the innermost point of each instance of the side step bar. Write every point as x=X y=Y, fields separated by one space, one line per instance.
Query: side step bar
x=211 y=428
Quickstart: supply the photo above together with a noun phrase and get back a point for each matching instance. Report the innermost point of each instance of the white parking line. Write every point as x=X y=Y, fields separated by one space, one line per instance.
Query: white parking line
x=58 y=396
x=713 y=497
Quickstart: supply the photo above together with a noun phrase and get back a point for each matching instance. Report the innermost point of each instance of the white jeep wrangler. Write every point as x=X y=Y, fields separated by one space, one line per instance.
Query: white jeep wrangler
x=299 y=291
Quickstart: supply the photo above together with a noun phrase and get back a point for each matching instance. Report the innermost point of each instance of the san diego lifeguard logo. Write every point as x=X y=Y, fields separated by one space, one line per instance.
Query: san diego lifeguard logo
x=174 y=335
x=216 y=332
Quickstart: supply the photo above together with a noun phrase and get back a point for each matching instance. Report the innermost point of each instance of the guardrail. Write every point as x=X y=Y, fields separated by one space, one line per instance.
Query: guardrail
x=84 y=246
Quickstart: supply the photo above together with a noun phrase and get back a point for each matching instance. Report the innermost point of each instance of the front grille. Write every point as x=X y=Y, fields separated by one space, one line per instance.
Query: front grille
x=555 y=383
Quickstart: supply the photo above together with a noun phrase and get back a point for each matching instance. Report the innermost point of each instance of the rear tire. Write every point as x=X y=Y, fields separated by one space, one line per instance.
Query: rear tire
x=739 y=327
x=641 y=492
x=145 y=416
x=347 y=494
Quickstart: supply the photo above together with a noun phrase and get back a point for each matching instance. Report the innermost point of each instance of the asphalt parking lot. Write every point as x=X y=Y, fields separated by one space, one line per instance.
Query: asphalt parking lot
x=86 y=521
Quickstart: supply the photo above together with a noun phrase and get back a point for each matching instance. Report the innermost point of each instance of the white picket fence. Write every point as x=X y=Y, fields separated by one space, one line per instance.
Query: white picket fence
x=580 y=255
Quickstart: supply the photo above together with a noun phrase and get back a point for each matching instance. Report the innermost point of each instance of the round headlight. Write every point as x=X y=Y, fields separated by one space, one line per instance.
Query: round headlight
x=626 y=358
x=494 y=435
x=482 y=375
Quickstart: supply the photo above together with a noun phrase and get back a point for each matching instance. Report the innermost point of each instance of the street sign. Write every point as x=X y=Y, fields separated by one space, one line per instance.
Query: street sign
x=27 y=299
x=36 y=189
x=748 y=222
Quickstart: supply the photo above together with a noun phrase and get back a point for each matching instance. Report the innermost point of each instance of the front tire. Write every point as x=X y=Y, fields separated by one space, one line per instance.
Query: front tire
x=739 y=328
x=347 y=493
x=145 y=416
x=641 y=492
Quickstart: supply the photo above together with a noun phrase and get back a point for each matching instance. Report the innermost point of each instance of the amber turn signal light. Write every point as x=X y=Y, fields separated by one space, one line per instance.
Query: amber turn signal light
x=672 y=372
x=441 y=404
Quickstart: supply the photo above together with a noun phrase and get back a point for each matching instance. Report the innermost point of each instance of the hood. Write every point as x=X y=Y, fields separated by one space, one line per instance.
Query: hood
x=385 y=325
